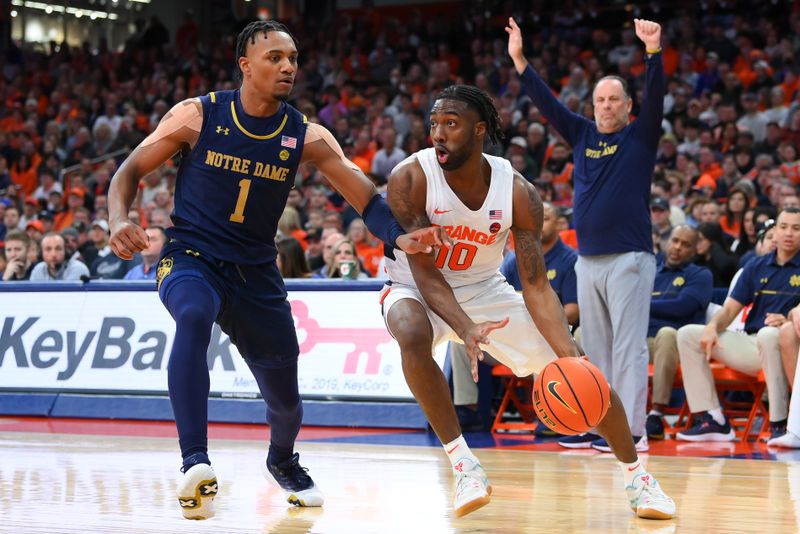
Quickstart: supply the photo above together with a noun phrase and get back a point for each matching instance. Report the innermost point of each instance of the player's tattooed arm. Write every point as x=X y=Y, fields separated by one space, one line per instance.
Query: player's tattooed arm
x=406 y=193
x=540 y=299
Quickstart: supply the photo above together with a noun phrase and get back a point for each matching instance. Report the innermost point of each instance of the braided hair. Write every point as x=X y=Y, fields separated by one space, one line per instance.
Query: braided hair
x=248 y=36
x=481 y=102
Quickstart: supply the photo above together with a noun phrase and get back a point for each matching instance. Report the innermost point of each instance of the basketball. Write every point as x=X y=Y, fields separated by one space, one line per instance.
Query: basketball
x=571 y=395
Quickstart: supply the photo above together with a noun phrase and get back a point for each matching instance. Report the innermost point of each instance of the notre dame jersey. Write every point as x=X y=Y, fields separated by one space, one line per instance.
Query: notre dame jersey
x=232 y=187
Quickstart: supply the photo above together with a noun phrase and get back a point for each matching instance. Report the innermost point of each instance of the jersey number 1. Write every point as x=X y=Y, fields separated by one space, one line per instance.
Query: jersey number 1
x=244 y=189
x=461 y=256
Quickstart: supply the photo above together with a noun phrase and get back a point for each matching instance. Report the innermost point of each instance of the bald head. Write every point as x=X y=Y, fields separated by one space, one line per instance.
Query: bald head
x=682 y=245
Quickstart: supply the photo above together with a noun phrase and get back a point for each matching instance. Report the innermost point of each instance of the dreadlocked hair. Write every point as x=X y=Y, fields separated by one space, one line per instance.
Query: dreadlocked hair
x=248 y=36
x=481 y=102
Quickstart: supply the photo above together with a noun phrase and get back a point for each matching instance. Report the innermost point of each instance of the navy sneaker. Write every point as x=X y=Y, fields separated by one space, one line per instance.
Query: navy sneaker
x=581 y=441
x=293 y=479
x=777 y=429
x=655 y=426
x=640 y=442
x=707 y=429
x=544 y=431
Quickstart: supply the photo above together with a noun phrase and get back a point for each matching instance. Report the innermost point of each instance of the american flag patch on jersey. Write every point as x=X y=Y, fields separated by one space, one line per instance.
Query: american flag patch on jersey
x=288 y=142
x=495 y=214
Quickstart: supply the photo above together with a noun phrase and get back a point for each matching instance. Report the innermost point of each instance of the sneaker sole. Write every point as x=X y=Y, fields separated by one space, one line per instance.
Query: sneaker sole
x=295 y=498
x=652 y=513
x=586 y=445
x=707 y=437
x=198 y=503
x=473 y=505
x=656 y=436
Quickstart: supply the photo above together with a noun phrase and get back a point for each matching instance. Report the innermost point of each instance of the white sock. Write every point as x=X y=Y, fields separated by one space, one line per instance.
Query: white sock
x=716 y=413
x=457 y=450
x=631 y=471
x=656 y=413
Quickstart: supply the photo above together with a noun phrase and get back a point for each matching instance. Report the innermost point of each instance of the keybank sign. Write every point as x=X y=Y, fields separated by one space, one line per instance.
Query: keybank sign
x=121 y=341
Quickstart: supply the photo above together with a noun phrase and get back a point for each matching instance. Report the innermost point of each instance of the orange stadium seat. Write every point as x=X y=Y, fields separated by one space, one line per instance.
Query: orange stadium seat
x=519 y=394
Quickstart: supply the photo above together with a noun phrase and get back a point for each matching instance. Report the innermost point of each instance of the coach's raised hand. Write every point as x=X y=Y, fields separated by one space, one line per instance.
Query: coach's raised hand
x=649 y=32
x=515 y=46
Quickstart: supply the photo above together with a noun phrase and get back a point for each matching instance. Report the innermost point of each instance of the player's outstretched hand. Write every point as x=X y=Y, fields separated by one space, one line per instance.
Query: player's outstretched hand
x=649 y=32
x=423 y=240
x=514 y=39
x=474 y=337
x=127 y=238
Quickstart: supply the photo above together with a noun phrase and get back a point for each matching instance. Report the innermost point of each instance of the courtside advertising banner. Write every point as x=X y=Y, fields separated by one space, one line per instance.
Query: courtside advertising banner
x=106 y=341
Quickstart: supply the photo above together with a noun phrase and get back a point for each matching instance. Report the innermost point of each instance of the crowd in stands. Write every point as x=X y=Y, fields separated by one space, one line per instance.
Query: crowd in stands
x=727 y=161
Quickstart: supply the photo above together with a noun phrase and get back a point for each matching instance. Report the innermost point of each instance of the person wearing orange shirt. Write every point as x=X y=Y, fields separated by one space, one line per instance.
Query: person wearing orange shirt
x=65 y=218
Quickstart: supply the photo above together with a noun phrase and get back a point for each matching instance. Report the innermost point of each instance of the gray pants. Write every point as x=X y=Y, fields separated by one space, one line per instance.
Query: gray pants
x=614 y=297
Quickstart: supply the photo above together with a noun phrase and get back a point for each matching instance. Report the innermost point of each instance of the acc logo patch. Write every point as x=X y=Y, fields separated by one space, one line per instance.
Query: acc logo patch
x=283 y=154
x=679 y=281
x=551 y=274
x=164 y=268
x=494 y=227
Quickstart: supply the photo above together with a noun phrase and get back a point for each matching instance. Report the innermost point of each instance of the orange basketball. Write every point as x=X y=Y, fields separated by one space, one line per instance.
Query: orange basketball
x=571 y=395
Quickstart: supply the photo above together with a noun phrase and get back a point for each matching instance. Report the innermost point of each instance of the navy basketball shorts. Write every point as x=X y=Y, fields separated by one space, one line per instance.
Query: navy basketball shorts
x=253 y=310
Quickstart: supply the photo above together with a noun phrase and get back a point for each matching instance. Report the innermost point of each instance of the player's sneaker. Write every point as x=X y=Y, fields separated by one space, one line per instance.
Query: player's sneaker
x=640 y=442
x=707 y=429
x=788 y=441
x=581 y=441
x=472 y=487
x=293 y=479
x=654 y=426
x=647 y=499
x=196 y=491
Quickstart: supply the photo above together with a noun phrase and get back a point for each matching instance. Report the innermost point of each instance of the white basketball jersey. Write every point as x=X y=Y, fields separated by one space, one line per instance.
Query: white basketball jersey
x=479 y=236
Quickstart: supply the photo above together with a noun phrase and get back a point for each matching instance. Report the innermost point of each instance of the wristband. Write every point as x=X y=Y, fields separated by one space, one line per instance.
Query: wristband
x=651 y=52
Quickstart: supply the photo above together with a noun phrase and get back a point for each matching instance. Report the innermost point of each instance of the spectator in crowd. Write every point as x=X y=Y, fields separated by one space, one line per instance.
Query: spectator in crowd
x=71 y=244
x=343 y=262
x=713 y=252
x=368 y=248
x=18 y=265
x=289 y=225
x=313 y=252
x=107 y=265
x=389 y=155
x=9 y=221
x=148 y=268
x=659 y=213
x=769 y=283
x=681 y=294
x=737 y=204
x=291 y=259
x=54 y=264
x=329 y=239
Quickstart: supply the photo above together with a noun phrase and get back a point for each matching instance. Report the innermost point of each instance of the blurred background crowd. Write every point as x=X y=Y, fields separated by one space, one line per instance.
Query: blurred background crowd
x=727 y=159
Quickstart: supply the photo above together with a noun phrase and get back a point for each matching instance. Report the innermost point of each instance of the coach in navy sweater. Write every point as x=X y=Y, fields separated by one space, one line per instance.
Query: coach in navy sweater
x=614 y=161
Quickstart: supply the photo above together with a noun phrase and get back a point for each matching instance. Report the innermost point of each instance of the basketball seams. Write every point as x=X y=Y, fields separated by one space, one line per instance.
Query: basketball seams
x=574 y=395
x=552 y=413
x=599 y=387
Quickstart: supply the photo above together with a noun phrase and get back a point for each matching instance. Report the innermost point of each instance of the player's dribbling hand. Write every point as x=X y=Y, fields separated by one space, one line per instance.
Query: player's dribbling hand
x=423 y=240
x=649 y=32
x=127 y=238
x=474 y=337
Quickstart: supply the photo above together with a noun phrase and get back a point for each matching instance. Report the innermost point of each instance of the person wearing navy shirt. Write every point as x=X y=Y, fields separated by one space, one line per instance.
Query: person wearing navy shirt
x=559 y=260
x=614 y=161
x=681 y=293
x=240 y=150
x=772 y=284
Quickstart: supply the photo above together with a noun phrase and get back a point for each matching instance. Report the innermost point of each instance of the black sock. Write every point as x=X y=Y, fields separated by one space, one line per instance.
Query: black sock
x=278 y=454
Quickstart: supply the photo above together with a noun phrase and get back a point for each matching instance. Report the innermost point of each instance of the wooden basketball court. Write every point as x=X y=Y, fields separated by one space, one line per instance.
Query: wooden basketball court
x=64 y=482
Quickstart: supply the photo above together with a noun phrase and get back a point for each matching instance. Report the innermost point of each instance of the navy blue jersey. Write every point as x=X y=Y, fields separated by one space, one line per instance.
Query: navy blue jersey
x=772 y=288
x=232 y=187
x=560 y=263
x=680 y=296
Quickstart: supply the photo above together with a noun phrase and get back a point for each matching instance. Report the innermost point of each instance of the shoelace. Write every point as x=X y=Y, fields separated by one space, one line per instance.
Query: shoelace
x=652 y=495
x=295 y=472
x=464 y=483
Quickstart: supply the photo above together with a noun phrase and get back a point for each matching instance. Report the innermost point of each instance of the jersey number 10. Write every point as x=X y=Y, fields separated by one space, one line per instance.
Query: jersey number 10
x=461 y=256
